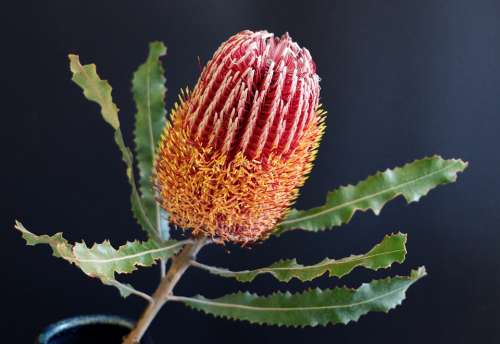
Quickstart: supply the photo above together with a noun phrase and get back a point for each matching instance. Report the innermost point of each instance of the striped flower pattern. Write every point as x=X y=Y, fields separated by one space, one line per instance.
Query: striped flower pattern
x=239 y=145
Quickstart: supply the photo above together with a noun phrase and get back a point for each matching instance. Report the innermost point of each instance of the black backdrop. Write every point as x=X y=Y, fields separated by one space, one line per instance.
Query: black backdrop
x=401 y=80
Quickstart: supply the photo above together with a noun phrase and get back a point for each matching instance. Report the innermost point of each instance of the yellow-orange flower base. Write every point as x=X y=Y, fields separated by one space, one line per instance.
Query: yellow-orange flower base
x=238 y=147
x=238 y=200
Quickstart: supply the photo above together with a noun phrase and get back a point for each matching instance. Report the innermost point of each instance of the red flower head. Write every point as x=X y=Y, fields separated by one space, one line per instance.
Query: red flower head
x=239 y=145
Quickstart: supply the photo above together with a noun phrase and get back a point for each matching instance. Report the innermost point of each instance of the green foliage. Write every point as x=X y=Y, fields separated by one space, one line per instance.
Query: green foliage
x=148 y=87
x=99 y=91
x=103 y=261
x=95 y=89
x=311 y=308
x=391 y=249
x=412 y=181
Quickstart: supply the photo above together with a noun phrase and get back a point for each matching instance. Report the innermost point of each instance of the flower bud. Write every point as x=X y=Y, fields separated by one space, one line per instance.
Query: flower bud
x=238 y=147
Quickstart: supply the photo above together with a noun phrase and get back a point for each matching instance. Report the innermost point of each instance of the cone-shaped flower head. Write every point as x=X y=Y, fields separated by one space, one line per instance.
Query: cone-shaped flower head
x=238 y=147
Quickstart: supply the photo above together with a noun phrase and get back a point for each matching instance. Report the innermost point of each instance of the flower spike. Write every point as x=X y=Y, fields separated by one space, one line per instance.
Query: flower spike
x=238 y=147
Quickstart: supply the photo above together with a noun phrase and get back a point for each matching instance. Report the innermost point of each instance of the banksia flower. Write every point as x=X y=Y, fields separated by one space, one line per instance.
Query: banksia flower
x=238 y=147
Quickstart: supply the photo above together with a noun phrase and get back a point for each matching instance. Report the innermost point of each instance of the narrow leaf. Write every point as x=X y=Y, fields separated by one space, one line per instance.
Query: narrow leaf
x=311 y=308
x=148 y=87
x=99 y=91
x=412 y=181
x=138 y=209
x=103 y=261
x=390 y=250
x=125 y=290
x=95 y=89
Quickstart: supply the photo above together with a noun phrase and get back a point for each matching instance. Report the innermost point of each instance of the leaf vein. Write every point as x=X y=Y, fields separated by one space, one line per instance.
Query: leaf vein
x=284 y=309
x=340 y=206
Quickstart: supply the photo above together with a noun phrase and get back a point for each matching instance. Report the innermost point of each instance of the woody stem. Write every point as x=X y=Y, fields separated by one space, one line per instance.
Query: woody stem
x=180 y=264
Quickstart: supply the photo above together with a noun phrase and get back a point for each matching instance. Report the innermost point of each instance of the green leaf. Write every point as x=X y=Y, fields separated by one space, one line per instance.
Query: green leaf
x=391 y=249
x=148 y=87
x=95 y=89
x=103 y=261
x=124 y=289
x=412 y=181
x=310 y=308
x=99 y=91
x=60 y=246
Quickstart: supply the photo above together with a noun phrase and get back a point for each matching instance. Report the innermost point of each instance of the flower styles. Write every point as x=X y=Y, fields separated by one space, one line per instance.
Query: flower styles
x=240 y=145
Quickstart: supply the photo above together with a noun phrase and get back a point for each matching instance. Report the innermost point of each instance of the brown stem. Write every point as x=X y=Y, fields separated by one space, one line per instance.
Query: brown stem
x=180 y=264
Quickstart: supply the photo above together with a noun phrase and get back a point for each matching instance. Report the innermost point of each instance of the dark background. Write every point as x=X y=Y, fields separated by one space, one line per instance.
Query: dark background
x=401 y=80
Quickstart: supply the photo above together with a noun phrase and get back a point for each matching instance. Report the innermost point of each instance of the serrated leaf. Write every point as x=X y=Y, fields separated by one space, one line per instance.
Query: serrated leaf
x=312 y=307
x=99 y=91
x=412 y=181
x=95 y=89
x=148 y=88
x=390 y=250
x=103 y=261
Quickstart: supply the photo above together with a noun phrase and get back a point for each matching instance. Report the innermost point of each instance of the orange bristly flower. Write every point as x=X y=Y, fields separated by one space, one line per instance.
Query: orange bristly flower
x=238 y=147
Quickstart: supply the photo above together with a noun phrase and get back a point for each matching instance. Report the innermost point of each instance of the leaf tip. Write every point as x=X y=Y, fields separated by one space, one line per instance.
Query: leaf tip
x=464 y=163
x=19 y=226
x=74 y=62
x=418 y=273
x=158 y=46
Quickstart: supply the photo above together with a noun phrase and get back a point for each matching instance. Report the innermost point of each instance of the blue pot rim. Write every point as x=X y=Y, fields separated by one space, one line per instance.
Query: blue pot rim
x=82 y=320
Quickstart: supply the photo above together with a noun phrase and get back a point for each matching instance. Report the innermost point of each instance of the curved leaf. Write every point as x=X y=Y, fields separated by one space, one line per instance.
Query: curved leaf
x=95 y=89
x=99 y=91
x=412 y=181
x=391 y=249
x=310 y=308
x=148 y=87
x=103 y=261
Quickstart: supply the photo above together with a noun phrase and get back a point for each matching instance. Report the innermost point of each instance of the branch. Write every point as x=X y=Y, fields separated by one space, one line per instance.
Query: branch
x=179 y=266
